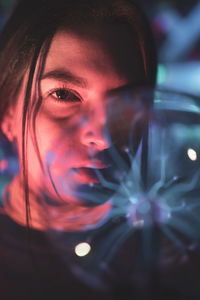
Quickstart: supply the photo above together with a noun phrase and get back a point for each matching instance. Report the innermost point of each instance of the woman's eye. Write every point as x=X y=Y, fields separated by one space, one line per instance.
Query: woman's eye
x=65 y=95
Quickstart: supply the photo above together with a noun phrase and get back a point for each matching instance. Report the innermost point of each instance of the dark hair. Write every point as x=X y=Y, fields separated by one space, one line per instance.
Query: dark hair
x=28 y=34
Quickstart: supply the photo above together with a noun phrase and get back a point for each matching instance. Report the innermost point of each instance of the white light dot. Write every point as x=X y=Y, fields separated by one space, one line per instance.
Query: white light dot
x=82 y=249
x=192 y=154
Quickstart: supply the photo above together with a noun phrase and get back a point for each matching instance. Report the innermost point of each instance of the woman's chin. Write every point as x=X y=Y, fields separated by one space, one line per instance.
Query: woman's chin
x=84 y=194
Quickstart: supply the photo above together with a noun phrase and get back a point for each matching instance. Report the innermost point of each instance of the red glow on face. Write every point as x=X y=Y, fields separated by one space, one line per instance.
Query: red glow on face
x=82 y=72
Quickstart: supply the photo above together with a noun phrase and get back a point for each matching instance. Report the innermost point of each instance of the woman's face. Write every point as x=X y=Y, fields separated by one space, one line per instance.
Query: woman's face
x=82 y=72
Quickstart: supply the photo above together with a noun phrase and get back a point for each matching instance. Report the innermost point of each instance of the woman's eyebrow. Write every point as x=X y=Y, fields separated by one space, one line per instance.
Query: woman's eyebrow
x=65 y=75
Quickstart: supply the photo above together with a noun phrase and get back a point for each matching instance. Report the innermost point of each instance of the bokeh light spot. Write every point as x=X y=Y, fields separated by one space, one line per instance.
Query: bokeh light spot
x=82 y=249
x=192 y=154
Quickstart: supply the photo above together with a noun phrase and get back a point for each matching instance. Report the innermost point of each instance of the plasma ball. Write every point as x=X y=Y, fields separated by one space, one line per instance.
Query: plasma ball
x=82 y=249
x=192 y=154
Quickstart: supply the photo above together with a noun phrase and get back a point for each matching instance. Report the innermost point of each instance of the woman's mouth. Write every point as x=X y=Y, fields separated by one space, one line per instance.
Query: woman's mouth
x=84 y=175
x=90 y=176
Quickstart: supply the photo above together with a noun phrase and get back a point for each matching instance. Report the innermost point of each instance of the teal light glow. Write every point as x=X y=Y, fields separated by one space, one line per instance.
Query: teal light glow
x=162 y=74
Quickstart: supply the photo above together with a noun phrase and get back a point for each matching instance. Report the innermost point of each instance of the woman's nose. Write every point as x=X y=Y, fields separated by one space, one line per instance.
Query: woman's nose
x=93 y=130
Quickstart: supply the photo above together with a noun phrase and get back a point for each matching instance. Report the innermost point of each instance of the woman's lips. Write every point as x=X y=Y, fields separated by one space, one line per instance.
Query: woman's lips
x=85 y=175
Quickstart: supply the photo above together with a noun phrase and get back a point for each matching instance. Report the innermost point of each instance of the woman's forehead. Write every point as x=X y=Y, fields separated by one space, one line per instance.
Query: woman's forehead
x=99 y=50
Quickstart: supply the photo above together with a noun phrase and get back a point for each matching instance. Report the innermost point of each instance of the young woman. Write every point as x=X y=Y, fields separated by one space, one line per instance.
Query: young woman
x=65 y=66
